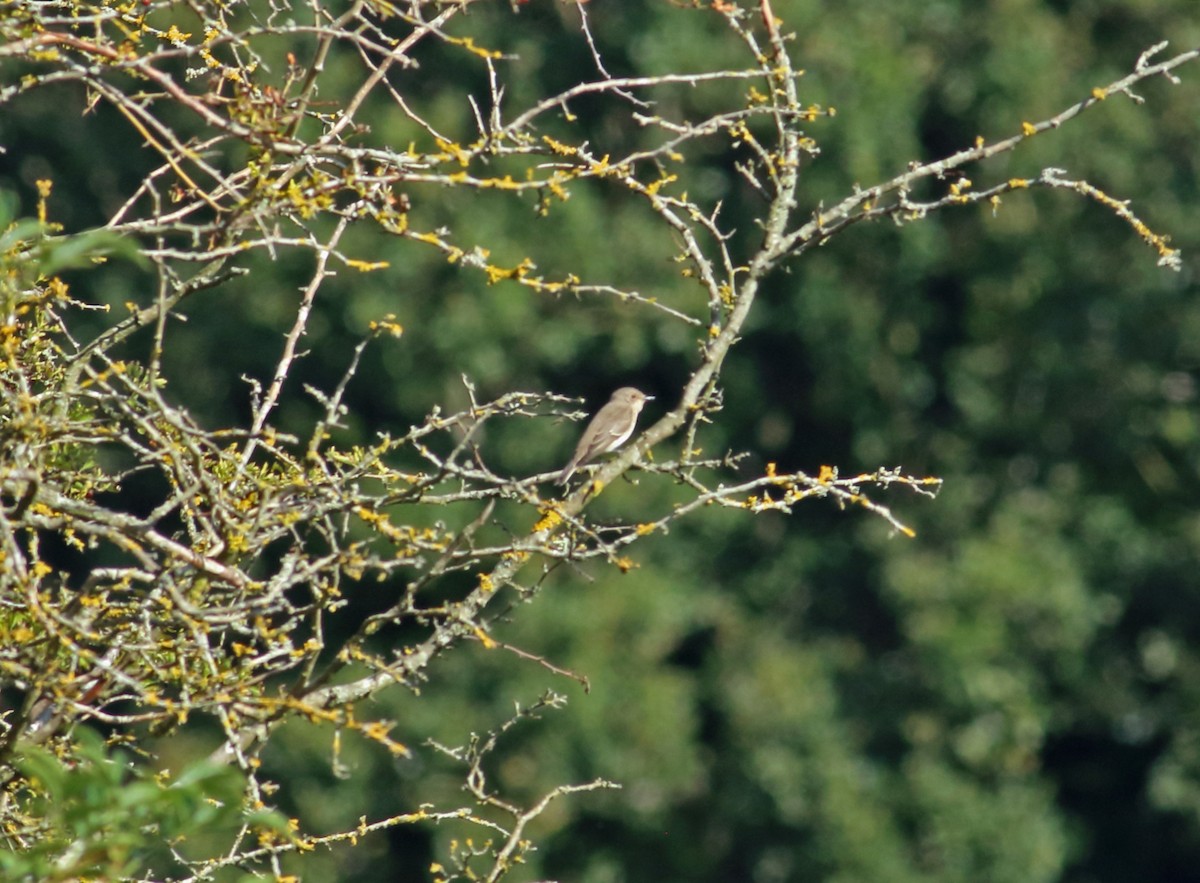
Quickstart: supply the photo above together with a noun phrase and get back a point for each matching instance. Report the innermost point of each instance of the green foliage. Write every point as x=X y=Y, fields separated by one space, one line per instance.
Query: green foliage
x=98 y=814
x=1008 y=696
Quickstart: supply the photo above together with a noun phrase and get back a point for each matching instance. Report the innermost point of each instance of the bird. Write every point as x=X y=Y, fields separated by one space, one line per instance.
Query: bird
x=608 y=430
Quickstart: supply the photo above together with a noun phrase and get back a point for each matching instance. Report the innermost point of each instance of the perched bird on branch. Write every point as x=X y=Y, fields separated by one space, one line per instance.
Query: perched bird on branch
x=608 y=430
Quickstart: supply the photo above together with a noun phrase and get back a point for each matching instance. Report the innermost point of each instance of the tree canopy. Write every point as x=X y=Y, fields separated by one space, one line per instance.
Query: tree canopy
x=304 y=305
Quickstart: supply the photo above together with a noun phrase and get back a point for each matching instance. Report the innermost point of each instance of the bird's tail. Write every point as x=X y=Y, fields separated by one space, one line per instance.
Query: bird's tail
x=568 y=471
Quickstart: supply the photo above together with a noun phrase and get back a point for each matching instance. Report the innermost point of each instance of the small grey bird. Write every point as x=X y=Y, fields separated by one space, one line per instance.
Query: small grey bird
x=609 y=429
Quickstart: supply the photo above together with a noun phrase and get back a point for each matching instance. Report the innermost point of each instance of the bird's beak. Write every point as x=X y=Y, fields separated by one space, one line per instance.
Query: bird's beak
x=649 y=398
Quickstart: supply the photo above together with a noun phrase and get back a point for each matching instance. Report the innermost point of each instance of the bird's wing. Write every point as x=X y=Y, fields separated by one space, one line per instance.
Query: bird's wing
x=594 y=443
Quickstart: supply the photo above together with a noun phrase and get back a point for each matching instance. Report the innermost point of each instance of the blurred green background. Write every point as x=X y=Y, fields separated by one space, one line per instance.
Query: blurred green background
x=1010 y=696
